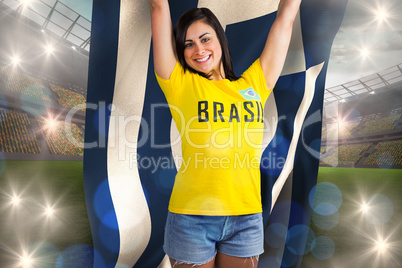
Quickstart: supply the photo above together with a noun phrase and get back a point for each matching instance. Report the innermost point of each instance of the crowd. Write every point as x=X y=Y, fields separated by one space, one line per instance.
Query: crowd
x=63 y=138
x=379 y=125
x=346 y=154
x=15 y=134
x=69 y=98
x=25 y=84
x=388 y=153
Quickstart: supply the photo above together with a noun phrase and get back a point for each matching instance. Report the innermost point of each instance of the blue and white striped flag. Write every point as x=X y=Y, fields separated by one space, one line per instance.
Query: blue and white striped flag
x=132 y=146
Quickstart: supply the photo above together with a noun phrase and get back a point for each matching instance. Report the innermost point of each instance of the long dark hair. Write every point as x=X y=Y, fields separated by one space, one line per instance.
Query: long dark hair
x=180 y=31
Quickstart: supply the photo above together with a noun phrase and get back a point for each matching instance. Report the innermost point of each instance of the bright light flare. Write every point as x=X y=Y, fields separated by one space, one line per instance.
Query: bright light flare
x=365 y=52
x=49 y=211
x=365 y=208
x=381 y=14
x=381 y=246
x=51 y=124
x=15 y=60
x=26 y=261
x=49 y=49
x=26 y=3
x=15 y=200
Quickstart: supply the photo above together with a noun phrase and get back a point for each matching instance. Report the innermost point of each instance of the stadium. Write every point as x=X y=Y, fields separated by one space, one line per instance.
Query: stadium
x=44 y=57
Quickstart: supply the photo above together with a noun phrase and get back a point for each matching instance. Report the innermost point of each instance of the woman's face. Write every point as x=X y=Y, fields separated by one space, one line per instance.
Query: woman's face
x=202 y=50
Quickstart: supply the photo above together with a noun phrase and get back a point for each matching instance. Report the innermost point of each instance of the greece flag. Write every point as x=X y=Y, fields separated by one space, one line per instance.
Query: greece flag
x=133 y=148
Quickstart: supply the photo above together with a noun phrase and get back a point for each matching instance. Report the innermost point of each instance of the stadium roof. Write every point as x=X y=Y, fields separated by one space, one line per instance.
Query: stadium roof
x=55 y=17
x=369 y=84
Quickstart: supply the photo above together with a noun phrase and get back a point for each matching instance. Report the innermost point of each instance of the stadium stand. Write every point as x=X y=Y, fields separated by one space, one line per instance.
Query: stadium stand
x=67 y=98
x=325 y=150
x=339 y=130
x=62 y=138
x=387 y=153
x=14 y=134
x=346 y=154
x=25 y=84
x=379 y=125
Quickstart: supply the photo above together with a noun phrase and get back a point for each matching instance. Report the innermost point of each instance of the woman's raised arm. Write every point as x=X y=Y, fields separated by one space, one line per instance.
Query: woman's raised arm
x=162 y=36
x=276 y=47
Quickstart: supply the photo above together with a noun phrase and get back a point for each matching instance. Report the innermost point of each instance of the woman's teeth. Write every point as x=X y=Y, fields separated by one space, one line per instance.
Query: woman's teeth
x=203 y=59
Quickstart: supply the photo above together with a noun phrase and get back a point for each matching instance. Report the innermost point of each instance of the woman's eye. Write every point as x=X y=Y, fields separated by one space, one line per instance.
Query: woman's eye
x=188 y=45
x=205 y=40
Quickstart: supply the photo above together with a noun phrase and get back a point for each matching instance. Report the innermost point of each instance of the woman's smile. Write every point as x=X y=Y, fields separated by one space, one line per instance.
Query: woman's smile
x=203 y=59
x=203 y=51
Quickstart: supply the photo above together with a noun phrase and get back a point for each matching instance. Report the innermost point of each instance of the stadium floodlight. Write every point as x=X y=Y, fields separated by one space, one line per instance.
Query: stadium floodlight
x=381 y=14
x=26 y=261
x=15 y=60
x=343 y=100
x=49 y=211
x=26 y=2
x=365 y=208
x=381 y=246
x=51 y=124
x=15 y=200
x=372 y=92
x=49 y=49
x=364 y=52
x=73 y=47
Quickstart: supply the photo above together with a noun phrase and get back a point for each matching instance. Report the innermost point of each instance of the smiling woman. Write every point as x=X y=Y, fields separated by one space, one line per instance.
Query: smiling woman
x=203 y=50
x=221 y=117
x=199 y=37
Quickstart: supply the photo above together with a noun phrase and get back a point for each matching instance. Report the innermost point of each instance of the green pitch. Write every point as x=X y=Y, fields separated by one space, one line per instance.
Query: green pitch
x=366 y=231
x=43 y=210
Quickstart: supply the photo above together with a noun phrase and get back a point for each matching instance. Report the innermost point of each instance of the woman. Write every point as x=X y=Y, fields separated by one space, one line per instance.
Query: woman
x=214 y=217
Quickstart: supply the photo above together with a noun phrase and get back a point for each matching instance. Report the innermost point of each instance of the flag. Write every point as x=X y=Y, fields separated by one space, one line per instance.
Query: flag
x=132 y=146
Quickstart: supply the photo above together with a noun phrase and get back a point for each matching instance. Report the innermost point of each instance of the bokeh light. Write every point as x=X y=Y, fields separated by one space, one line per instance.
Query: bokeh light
x=325 y=198
x=385 y=160
x=275 y=234
x=323 y=248
x=325 y=222
x=295 y=235
x=76 y=256
x=380 y=209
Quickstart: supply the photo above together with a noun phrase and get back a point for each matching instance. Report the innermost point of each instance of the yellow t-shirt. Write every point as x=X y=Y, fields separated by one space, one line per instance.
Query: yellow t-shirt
x=221 y=129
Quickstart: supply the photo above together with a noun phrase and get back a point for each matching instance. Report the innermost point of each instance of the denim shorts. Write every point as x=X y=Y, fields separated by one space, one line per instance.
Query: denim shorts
x=196 y=239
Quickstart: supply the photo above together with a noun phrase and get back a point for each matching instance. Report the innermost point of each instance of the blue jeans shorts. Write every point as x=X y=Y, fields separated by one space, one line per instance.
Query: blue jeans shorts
x=196 y=239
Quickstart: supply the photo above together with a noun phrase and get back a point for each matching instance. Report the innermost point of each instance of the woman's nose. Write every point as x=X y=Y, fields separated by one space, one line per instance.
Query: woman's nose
x=199 y=49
